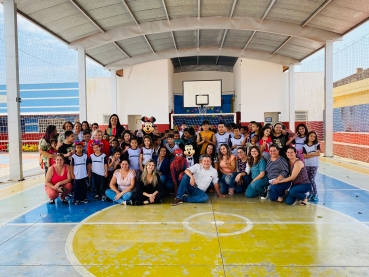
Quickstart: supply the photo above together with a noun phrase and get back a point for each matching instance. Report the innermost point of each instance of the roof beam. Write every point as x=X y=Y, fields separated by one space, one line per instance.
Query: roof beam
x=191 y=23
x=121 y=49
x=174 y=40
x=165 y=9
x=262 y=18
x=179 y=60
x=203 y=51
x=148 y=42
x=198 y=9
x=283 y=44
x=318 y=10
x=130 y=12
x=87 y=15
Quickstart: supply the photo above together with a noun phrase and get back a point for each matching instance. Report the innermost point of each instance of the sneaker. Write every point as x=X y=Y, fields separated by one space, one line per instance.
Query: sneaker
x=314 y=198
x=265 y=194
x=85 y=201
x=97 y=197
x=103 y=198
x=310 y=197
x=177 y=201
x=52 y=201
x=231 y=191
x=76 y=202
x=127 y=203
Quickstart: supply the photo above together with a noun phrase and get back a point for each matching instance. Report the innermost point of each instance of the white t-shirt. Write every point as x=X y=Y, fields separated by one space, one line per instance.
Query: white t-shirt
x=237 y=142
x=133 y=156
x=204 y=177
x=221 y=139
x=123 y=183
x=171 y=149
x=146 y=154
x=311 y=149
x=98 y=164
x=80 y=166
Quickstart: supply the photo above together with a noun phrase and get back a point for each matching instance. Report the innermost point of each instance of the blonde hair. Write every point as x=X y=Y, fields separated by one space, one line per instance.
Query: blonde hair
x=98 y=131
x=145 y=173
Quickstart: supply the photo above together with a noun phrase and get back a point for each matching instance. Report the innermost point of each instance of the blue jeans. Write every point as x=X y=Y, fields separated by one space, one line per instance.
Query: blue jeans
x=246 y=180
x=194 y=194
x=111 y=194
x=257 y=187
x=279 y=190
x=226 y=182
x=297 y=192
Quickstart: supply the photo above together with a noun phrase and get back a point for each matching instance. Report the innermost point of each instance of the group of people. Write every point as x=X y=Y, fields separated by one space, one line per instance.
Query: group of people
x=134 y=168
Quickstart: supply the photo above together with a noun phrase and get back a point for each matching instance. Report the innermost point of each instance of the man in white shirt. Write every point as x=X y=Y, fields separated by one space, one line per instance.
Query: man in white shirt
x=195 y=182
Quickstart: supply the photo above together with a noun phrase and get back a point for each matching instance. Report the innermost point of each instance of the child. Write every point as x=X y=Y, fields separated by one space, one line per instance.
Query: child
x=205 y=137
x=105 y=147
x=311 y=152
x=99 y=168
x=126 y=143
x=236 y=140
x=299 y=140
x=265 y=142
x=106 y=137
x=133 y=154
x=113 y=162
x=170 y=145
x=67 y=147
x=53 y=151
x=177 y=139
x=156 y=145
x=253 y=138
x=146 y=152
x=113 y=146
x=86 y=139
x=80 y=170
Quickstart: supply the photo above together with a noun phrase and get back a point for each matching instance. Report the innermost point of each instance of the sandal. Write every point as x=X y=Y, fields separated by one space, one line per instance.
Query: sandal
x=303 y=202
x=280 y=200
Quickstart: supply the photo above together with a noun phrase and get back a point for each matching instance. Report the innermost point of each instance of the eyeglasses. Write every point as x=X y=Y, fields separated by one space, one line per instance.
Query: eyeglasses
x=240 y=152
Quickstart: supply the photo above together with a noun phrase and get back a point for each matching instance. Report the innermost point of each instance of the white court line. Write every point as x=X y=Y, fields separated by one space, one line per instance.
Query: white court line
x=20 y=192
x=15 y=217
x=43 y=223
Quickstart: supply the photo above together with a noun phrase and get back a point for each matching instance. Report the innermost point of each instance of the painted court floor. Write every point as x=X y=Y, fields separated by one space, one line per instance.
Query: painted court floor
x=224 y=237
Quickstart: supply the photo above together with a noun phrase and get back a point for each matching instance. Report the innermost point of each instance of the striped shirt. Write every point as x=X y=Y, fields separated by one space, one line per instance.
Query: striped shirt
x=276 y=168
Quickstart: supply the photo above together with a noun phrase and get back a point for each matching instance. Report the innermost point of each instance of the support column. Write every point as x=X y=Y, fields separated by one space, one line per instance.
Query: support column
x=12 y=90
x=328 y=102
x=113 y=97
x=82 y=84
x=291 y=105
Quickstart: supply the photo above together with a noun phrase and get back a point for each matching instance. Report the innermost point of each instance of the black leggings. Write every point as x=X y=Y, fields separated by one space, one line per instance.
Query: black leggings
x=140 y=198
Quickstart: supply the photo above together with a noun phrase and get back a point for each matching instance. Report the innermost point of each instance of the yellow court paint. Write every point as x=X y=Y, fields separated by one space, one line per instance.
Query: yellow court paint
x=21 y=186
x=281 y=240
x=346 y=165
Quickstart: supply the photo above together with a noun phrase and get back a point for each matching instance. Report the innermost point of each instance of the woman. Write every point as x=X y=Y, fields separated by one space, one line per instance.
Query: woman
x=44 y=145
x=277 y=169
x=58 y=180
x=242 y=179
x=257 y=165
x=114 y=128
x=299 y=177
x=227 y=166
x=150 y=189
x=85 y=126
x=298 y=140
x=210 y=150
x=125 y=179
x=280 y=138
x=78 y=131
x=67 y=126
x=162 y=164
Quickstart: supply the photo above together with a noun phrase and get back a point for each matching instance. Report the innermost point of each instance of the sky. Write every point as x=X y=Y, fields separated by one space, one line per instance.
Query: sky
x=56 y=53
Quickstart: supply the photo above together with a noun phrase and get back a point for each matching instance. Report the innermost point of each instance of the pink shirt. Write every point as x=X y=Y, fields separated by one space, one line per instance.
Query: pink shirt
x=123 y=183
x=224 y=167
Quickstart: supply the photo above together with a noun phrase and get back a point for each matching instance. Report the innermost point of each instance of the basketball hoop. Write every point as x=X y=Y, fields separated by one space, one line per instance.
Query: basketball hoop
x=202 y=109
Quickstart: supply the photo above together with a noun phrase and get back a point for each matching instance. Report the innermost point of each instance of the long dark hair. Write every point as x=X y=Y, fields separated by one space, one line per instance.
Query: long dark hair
x=118 y=122
x=49 y=133
x=302 y=125
x=316 y=138
x=250 y=159
x=212 y=156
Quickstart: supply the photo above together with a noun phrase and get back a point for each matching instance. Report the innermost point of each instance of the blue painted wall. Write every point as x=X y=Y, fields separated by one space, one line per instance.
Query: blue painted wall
x=225 y=108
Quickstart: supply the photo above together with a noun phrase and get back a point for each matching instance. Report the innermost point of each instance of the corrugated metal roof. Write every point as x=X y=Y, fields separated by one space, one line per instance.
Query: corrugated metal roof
x=141 y=28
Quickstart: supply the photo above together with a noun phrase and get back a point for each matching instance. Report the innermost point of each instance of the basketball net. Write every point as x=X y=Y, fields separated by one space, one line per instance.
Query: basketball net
x=202 y=109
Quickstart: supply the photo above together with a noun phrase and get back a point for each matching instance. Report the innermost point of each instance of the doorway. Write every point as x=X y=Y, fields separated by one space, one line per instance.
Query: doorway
x=134 y=122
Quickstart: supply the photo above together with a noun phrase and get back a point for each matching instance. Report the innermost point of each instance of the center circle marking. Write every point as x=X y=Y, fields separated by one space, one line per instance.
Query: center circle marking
x=249 y=224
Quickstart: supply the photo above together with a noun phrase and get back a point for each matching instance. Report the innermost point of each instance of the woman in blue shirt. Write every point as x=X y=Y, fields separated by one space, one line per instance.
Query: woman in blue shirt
x=162 y=165
x=257 y=166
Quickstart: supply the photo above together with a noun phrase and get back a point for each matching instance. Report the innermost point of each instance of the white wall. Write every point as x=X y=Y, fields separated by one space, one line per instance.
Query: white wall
x=144 y=90
x=237 y=83
x=98 y=99
x=226 y=77
x=262 y=89
x=170 y=86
